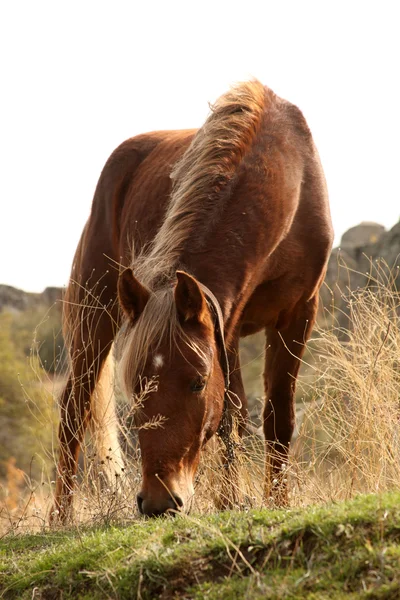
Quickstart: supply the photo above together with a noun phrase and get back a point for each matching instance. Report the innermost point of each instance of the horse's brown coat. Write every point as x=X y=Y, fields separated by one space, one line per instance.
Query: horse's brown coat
x=245 y=212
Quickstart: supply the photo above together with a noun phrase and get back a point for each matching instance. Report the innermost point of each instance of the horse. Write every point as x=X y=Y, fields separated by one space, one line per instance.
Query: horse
x=195 y=239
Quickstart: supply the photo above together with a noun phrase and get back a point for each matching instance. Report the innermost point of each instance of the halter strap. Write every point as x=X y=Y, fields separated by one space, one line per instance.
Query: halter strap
x=219 y=330
x=226 y=425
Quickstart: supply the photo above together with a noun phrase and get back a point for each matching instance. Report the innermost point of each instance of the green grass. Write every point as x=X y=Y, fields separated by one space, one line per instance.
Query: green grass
x=347 y=550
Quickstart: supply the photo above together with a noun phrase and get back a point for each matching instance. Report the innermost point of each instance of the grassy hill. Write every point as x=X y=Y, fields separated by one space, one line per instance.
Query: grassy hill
x=345 y=550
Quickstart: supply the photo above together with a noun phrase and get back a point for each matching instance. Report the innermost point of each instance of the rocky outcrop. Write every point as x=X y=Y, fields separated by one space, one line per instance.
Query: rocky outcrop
x=14 y=299
x=363 y=234
x=367 y=252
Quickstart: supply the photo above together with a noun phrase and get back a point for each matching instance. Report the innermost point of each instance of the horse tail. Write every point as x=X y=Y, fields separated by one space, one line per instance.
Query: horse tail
x=104 y=422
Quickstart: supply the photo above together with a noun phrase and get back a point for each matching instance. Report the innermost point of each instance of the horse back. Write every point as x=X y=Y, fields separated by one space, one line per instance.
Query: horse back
x=129 y=199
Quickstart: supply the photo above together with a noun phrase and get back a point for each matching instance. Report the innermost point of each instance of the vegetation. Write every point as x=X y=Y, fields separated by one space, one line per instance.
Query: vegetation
x=26 y=409
x=347 y=444
x=38 y=332
x=341 y=551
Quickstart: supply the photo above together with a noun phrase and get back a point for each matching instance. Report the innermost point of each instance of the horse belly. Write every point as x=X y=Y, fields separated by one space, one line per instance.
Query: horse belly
x=261 y=311
x=272 y=304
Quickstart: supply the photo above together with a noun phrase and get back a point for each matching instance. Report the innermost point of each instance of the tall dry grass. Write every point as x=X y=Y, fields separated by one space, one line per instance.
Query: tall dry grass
x=348 y=439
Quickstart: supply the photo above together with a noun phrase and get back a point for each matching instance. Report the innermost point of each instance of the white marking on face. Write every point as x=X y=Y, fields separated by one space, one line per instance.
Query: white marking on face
x=158 y=361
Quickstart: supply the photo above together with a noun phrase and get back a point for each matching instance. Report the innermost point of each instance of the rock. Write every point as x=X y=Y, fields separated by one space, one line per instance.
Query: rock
x=367 y=252
x=14 y=299
x=362 y=234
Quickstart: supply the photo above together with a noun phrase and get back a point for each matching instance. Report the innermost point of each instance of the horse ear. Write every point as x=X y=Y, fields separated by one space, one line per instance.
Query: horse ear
x=132 y=295
x=189 y=299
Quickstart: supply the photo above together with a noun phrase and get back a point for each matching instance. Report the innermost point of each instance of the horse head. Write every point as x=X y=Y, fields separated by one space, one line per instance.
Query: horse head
x=171 y=340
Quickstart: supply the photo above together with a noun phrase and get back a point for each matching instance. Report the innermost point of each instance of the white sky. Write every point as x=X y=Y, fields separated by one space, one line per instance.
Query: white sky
x=79 y=77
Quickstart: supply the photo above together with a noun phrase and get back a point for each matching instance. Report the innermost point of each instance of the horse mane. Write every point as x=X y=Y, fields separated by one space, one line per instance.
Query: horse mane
x=201 y=181
x=200 y=178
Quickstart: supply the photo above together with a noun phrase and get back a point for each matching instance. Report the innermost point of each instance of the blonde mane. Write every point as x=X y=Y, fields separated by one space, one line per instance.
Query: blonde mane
x=202 y=180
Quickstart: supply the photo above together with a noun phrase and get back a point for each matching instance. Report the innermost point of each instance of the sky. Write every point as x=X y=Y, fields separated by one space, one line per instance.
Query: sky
x=79 y=77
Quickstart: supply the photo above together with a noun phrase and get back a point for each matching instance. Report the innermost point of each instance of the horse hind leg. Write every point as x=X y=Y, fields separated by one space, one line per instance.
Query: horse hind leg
x=283 y=357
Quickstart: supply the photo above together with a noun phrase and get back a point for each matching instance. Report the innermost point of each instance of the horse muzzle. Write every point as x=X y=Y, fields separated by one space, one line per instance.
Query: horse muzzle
x=165 y=496
x=154 y=506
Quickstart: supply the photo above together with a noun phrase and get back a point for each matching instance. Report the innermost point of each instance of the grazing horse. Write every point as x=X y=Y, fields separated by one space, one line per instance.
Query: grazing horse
x=196 y=238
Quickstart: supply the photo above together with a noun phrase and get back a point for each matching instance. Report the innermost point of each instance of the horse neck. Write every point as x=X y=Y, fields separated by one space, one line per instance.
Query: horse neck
x=230 y=282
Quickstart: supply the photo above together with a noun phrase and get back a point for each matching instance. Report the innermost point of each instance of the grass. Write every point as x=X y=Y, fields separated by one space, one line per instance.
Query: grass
x=349 y=440
x=345 y=550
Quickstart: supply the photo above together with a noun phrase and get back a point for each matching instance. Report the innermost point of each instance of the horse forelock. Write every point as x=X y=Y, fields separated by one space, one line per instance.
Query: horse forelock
x=158 y=325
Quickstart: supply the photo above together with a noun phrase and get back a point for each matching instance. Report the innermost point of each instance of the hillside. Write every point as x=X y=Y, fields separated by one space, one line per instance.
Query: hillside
x=346 y=550
x=14 y=299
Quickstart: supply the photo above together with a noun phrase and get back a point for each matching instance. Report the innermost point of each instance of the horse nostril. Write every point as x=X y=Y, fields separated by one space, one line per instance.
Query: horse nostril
x=139 y=500
x=178 y=501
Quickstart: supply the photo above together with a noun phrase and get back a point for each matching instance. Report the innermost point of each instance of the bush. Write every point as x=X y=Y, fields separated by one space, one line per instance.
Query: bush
x=26 y=408
x=39 y=331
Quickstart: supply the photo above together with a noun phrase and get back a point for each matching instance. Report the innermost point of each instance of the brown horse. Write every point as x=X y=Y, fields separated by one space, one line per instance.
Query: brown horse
x=223 y=232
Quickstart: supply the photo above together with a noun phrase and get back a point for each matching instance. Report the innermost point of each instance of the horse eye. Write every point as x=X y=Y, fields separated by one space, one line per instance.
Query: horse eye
x=198 y=385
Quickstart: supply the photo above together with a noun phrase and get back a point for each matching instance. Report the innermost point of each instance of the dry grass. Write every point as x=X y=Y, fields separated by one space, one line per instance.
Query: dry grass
x=348 y=439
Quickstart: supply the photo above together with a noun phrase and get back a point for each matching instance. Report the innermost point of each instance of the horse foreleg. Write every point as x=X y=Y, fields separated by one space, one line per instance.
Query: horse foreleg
x=74 y=418
x=283 y=356
x=237 y=408
x=92 y=332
